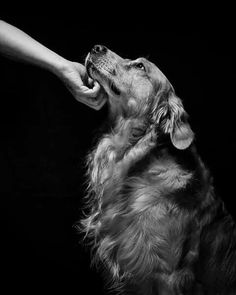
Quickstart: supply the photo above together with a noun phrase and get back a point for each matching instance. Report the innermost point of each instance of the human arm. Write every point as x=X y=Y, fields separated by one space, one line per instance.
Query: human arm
x=16 y=44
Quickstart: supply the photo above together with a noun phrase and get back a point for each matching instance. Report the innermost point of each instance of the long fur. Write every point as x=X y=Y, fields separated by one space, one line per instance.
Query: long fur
x=152 y=218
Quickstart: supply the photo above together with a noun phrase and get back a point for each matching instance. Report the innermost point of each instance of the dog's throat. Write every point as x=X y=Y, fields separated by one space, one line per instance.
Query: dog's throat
x=114 y=89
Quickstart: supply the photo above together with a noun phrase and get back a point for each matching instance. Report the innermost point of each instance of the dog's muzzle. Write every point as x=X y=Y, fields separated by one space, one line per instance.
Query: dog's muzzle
x=94 y=57
x=100 y=67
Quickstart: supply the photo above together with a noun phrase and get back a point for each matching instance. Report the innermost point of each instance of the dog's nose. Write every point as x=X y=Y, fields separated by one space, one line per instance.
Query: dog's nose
x=99 y=49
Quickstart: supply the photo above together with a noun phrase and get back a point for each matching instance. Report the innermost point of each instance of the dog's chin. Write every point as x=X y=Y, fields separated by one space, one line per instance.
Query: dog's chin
x=104 y=80
x=102 y=77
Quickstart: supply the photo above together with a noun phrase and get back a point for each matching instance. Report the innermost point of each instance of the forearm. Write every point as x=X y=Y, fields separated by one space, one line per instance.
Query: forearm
x=20 y=46
x=17 y=45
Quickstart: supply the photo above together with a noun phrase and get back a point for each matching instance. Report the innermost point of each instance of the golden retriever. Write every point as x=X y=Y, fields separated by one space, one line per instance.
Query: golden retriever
x=153 y=219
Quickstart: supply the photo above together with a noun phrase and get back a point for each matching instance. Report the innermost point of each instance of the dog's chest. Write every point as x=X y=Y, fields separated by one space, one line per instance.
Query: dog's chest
x=105 y=159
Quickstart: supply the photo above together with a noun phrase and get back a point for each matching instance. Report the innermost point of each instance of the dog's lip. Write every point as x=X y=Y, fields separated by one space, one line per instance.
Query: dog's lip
x=89 y=67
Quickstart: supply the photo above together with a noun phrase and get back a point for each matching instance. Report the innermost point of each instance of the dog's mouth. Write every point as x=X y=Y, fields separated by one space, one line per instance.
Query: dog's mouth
x=90 y=68
x=103 y=75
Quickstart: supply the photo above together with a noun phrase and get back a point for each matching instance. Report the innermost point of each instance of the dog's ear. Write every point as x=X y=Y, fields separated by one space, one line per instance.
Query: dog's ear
x=173 y=121
x=181 y=135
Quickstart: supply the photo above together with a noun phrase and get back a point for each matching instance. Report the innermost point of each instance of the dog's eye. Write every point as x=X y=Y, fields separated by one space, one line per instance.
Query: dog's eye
x=140 y=65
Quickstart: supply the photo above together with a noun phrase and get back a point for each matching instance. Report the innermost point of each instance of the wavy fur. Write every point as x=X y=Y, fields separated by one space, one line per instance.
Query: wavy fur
x=153 y=219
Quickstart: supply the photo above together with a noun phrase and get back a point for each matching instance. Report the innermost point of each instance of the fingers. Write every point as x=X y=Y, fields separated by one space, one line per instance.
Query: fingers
x=96 y=87
x=76 y=79
x=91 y=82
x=90 y=92
x=94 y=104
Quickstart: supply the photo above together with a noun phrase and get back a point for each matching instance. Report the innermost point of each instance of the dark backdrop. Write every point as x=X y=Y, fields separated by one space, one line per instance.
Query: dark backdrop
x=45 y=135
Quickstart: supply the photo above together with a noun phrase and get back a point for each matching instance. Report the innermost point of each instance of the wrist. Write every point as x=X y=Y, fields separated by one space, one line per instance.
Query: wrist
x=59 y=65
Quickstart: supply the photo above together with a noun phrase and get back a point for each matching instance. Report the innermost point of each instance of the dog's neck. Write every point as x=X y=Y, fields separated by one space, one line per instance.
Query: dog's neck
x=130 y=128
x=128 y=137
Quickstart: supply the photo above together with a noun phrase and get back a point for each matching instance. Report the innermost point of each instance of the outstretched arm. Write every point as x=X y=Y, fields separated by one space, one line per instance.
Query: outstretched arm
x=17 y=45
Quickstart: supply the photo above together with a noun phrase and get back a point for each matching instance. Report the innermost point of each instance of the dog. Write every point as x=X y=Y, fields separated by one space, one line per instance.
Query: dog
x=152 y=217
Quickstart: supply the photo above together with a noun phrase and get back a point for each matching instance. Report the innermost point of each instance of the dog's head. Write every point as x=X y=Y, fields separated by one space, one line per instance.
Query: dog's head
x=138 y=88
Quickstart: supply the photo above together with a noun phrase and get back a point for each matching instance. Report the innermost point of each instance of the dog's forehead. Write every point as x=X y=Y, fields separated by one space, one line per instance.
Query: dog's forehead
x=152 y=66
x=156 y=72
x=139 y=59
x=152 y=70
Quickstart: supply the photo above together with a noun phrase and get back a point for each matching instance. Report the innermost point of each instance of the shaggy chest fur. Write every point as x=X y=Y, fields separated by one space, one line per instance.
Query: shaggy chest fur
x=136 y=226
x=152 y=218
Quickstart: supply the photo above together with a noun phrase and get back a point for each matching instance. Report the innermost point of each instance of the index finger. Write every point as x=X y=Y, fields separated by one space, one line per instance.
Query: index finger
x=91 y=91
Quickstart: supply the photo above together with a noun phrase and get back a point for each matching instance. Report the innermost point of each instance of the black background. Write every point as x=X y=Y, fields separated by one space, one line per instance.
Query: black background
x=45 y=135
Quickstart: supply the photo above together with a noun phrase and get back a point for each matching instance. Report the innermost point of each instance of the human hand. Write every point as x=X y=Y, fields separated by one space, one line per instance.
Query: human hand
x=75 y=78
x=20 y=46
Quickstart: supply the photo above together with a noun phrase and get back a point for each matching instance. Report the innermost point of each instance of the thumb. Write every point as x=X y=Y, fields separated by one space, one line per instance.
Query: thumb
x=90 y=92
